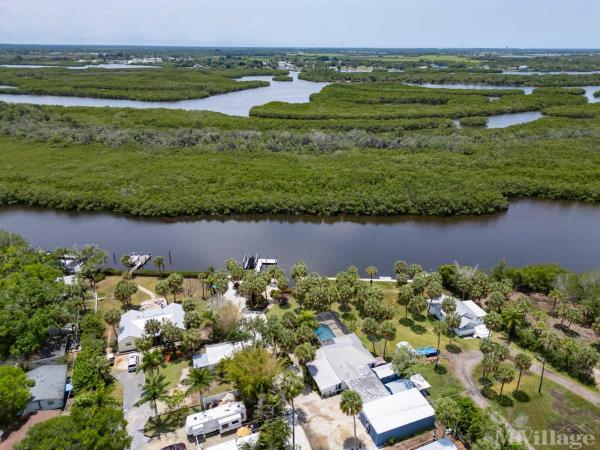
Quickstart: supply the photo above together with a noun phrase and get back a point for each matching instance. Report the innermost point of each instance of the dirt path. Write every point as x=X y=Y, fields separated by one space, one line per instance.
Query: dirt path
x=464 y=365
x=148 y=292
x=567 y=383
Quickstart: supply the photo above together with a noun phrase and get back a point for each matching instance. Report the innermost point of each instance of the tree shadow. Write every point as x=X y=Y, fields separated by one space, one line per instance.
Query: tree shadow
x=505 y=401
x=419 y=317
x=521 y=396
x=439 y=369
x=453 y=348
x=489 y=393
x=418 y=329
x=566 y=330
x=406 y=321
x=351 y=444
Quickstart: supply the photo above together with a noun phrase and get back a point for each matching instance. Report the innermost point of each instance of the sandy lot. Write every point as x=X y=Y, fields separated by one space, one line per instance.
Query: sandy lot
x=326 y=426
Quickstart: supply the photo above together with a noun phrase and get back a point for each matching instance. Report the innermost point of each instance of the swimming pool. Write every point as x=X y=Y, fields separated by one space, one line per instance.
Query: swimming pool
x=324 y=333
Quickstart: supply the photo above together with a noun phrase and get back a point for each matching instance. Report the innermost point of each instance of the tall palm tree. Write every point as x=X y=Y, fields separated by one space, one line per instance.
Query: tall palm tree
x=197 y=381
x=292 y=385
x=153 y=389
x=522 y=362
x=159 y=262
x=387 y=331
x=439 y=328
x=151 y=361
x=351 y=405
x=371 y=272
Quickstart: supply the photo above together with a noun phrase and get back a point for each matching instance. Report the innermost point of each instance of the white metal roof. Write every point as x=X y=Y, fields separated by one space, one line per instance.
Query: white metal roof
x=216 y=352
x=133 y=322
x=474 y=308
x=394 y=411
x=440 y=444
x=384 y=371
x=322 y=372
x=420 y=382
x=235 y=444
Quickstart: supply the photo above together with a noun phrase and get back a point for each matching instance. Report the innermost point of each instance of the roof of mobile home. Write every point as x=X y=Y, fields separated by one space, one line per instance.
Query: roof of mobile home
x=133 y=322
x=394 y=411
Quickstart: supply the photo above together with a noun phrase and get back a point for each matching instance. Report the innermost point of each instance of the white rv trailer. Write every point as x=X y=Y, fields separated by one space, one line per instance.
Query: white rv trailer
x=222 y=419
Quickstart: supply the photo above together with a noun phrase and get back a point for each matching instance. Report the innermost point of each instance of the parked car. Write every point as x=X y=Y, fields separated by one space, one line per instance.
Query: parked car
x=132 y=362
x=111 y=358
x=179 y=446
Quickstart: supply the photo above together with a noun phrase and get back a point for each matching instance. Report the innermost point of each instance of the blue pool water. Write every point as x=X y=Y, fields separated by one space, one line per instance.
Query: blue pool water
x=324 y=333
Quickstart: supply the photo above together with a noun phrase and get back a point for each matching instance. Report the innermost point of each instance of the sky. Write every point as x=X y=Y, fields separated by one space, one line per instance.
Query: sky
x=305 y=23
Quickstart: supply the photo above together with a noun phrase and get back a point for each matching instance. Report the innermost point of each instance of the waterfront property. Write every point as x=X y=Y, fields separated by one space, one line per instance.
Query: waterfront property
x=471 y=317
x=221 y=419
x=397 y=416
x=49 y=389
x=133 y=322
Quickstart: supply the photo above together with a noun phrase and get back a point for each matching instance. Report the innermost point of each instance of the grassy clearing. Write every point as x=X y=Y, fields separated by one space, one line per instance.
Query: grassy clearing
x=173 y=370
x=556 y=409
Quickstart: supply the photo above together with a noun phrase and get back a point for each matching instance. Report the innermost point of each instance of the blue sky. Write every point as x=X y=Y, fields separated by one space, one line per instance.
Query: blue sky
x=313 y=23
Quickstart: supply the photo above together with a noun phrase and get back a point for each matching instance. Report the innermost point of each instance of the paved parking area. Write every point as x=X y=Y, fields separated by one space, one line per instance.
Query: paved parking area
x=136 y=416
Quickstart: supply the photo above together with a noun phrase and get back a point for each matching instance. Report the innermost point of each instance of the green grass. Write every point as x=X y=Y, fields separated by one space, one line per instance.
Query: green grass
x=173 y=370
x=555 y=409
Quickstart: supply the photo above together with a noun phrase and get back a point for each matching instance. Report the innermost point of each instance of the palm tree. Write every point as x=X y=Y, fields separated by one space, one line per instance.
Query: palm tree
x=556 y=296
x=522 y=362
x=292 y=385
x=159 y=262
x=387 y=331
x=305 y=352
x=151 y=361
x=371 y=272
x=96 y=399
x=351 y=405
x=126 y=261
x=371 y=329
x=153 y=389
x=197 y=381
x=439 y=328
x=505 y=375
x=113 y=318
x=493 y=321
x=447 y=412
x=452 y=321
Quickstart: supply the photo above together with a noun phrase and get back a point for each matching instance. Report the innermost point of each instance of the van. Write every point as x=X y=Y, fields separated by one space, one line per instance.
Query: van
x=111 y=358
x=132 y=362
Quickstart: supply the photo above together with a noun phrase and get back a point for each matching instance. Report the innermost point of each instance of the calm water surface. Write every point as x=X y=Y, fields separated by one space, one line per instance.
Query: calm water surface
x=529 y=232
x=236 y=103
x=87 y=66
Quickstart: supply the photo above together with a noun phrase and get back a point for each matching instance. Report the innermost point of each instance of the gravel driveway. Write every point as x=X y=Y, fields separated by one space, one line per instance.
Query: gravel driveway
x=136 y=416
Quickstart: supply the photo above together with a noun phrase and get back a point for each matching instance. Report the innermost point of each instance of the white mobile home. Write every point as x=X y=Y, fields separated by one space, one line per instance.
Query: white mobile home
x=49 y=389
x=471 y=317
x=220 y=419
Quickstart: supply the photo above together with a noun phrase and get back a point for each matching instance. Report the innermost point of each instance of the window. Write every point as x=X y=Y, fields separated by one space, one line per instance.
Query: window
x=226 y=425
x=50 y=402
x=234 y=422
x=128 y=344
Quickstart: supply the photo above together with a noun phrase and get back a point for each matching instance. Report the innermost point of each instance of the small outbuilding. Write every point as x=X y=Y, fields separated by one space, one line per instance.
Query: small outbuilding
x=397 y=416
x=214 y=353
x=49 y=389
x=440 y=444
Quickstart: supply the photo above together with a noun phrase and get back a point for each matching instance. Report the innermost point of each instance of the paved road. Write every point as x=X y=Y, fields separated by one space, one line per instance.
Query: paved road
x=463 y=365
x=136 y=416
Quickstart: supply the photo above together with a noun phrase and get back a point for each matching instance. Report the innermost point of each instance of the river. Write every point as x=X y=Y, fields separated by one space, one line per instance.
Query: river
x=529 y=232
x=236 y=103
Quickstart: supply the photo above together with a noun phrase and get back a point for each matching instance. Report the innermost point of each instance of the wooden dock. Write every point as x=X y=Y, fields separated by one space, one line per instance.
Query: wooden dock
x=138 y=260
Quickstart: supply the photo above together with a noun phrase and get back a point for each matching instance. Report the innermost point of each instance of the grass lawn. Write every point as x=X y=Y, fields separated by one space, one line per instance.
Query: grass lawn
x=556 y=409
x=173 y=371
x=106 y=289
x=418 y=333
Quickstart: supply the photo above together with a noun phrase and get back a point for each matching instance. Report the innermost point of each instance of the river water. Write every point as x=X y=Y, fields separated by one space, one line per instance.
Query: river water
x=236 y=103
x=529 y=232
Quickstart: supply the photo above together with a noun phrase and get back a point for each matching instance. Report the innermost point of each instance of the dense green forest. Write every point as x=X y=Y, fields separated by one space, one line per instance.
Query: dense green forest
x=134 y=84
x=367 y=144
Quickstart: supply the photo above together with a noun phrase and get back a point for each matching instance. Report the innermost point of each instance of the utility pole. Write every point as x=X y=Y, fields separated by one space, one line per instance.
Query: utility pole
x=542 y=377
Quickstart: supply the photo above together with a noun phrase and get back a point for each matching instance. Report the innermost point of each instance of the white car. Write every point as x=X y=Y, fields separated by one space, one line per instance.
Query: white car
x=132 y=362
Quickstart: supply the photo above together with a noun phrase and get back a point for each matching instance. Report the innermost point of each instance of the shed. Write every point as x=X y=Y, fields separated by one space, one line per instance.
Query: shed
x=49 y=389
x=215 y=353
x=397 y=416
x=385 y=373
